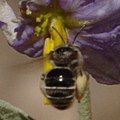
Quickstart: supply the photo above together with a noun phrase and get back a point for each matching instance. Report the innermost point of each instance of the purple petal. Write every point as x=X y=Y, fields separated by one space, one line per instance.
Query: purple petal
x=70 y=5
x=106 y=37
x=23 y=3
x=24 y=33
x=100 y=47
x=42 y=2
x=2 y=25
x=26 y=42
x=38 y=44
x=101 y=54
x=34 y=51
x=33 y=6
x=109 y=24
x=38 y=54
x=31 y=52
x=7 y=15
x=102 y=64
x=90 y=9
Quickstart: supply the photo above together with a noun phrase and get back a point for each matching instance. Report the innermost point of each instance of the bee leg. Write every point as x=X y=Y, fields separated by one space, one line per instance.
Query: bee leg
x=46 y=101
x=73 y=64
x=42 y=76
x=81 y=85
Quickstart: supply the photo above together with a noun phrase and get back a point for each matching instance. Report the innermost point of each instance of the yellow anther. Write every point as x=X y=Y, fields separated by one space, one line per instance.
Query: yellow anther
x=37 y=31
x=28 y=11
x=48 y=15
x=38 y=19
x=45 y=23
x=48 y=47
x=58 y=25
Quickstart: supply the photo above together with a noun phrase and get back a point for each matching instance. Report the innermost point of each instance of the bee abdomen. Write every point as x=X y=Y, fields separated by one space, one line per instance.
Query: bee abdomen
x=61 y=97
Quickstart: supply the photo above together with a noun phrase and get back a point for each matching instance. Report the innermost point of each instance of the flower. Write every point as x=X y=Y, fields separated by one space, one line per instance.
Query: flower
x=37 y=17
x=99 y=40
x=2 y=24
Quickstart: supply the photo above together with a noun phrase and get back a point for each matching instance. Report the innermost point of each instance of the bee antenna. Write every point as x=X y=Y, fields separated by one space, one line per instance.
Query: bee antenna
x=78 y=34
x=59 y=34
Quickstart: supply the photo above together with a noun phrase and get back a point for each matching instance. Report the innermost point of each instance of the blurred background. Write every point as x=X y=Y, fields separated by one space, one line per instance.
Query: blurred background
x=19 y=85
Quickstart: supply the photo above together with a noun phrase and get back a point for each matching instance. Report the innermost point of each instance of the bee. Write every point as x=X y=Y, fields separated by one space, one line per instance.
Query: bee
x=66 y=79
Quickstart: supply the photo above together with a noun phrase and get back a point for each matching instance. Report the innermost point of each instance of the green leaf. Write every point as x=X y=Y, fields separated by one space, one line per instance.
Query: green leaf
x=9 y=112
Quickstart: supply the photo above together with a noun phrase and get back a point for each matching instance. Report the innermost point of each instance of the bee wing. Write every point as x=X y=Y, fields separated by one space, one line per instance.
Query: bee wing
x=101 y=53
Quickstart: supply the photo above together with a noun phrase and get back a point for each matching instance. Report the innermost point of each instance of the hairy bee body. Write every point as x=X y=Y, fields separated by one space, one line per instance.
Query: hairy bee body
x=60 y=82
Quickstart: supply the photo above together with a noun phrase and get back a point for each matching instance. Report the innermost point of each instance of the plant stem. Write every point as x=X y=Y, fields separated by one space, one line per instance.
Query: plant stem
x=85 y=107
